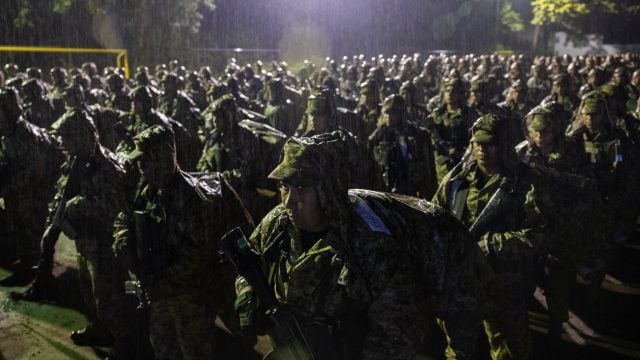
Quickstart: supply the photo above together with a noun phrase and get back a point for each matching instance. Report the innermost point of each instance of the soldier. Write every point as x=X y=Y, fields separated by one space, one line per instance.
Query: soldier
x=279 y=111
x=39 y=109
x=119 y=93
x=197 y=92
x=488 y=196
x=31 y=161
x=403 y=152
x=144 y=115
x=538 y=84
x=168 y=239
x=368 y=108
x=246 y=150
x=321 y=117
x=449 y=125
x=94 y=191
x=369 y=266
x=565 y=204
x=515 y=107
x=416 y=113
x=561 y=94
x=176 y=104
x=614 y=163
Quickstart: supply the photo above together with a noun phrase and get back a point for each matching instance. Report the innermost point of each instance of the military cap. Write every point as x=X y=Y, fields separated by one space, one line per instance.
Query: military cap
x=614 y=90
x=305 y=160
x=486 y=129
x=154 y=139
x=541 y=118
x=454 y=82
x=393 y=103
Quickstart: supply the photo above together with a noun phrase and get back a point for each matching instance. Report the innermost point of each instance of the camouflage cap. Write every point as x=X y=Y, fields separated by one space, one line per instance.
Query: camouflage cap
x=154 y=139
x=304 y=160
x=593 y=102
x=486 y=129
x=613 y=90
x=393 y=103
x=542 y=118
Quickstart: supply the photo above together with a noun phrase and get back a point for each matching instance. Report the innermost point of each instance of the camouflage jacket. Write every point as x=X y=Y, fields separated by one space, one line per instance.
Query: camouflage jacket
x=169 y=238
x=405 y=261
x=405 y=159
x=512 y=244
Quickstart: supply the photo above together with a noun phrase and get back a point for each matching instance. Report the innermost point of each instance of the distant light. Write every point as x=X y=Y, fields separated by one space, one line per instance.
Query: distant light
x=238 y=50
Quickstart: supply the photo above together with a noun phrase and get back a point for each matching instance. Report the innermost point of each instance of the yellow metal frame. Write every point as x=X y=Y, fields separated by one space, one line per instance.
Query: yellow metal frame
x=121 y=54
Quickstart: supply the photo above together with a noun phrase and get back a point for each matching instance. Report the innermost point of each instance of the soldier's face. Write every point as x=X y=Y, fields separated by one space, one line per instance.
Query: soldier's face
x=594 y=122
x=303 y=207
x=543 y=139
x=486 y=154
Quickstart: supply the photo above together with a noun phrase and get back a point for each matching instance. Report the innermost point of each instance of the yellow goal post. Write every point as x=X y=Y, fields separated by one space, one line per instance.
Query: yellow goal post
x=121 y=54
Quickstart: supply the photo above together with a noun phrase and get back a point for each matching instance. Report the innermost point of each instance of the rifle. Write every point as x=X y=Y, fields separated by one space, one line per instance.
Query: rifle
x=297 y=338
x=501 y=203
x=144 y=349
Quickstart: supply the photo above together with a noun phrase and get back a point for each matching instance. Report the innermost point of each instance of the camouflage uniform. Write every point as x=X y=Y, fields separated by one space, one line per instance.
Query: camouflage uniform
x=403 y=153
x=95 y=190
x=31 y=163
x=169 y=238
x=280 y=112
x=509 y=245
x=563 y=206
x=39 y=109
x=614 y=163
x=450 y=129
x=368 y=113
x=188 y=146
x=380 y=270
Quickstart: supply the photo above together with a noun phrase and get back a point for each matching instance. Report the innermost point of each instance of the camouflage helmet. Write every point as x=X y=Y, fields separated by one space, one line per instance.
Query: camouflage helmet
x=308 y=160
x=486 y=129
x=154 y=139
x=11 y=69
x=34 y=73
x=115 y=81
x=616 y=91
x=593 y=102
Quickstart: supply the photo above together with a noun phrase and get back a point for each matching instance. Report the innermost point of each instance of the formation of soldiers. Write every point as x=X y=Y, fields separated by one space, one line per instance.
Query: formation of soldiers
x=486 y=176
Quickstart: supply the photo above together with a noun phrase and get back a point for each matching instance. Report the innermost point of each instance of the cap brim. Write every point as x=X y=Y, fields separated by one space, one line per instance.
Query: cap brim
x=135 y=154
x=282 y=172
x=482 y=138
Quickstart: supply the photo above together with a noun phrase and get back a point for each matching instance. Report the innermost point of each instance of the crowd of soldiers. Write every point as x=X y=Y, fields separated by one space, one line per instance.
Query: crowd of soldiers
x=485 y=177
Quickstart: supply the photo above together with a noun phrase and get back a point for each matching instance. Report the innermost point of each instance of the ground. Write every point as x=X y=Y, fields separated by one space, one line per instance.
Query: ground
x=41 y=331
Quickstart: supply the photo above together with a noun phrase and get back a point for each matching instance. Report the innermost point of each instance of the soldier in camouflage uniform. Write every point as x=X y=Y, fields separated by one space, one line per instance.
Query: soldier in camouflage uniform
x=403 y=152
x=373 y=264
x=563 y=205
x=507 y=240
x=169 y=239
x=449 y=125
x=245 y=150
x=280 y=112
x=94 y=191
x=368 y=108
x=31 y=161
x=144 y=115
x=322 y=117
x=118 y=93
x=614 y=163
x=39 y=109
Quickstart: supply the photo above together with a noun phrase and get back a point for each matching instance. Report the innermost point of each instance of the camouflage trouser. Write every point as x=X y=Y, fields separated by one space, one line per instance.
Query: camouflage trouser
x=508 y=331
x=559 y=282
x=102 y=285
x=181 y=328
